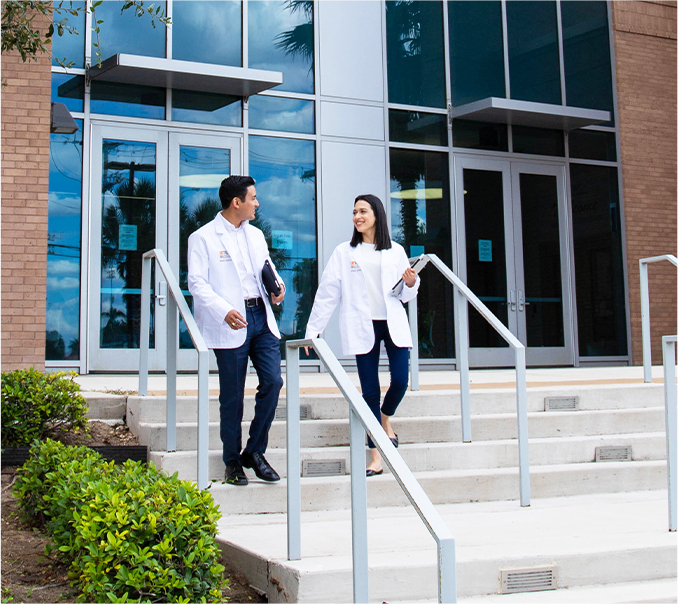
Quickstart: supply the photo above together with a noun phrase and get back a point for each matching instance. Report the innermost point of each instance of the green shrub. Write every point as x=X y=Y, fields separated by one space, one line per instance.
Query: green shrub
x=36 y=404
x=131 y=532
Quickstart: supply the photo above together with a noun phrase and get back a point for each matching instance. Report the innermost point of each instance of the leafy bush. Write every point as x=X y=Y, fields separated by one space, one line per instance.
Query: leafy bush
x=36 y=404
x=131 y=532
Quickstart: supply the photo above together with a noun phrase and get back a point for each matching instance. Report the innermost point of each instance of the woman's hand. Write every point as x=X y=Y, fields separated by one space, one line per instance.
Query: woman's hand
x=409 y=277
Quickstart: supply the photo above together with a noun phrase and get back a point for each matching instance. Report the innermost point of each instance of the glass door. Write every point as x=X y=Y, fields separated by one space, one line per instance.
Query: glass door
x=513 y=256
x=150 y=189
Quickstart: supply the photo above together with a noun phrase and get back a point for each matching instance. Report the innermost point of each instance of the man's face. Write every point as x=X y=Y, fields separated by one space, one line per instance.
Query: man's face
x=248 y=208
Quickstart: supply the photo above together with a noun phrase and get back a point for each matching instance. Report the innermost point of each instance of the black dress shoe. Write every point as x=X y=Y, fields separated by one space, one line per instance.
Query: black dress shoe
x=261 y=467
x=235 y=474
x=394 y=441
x=374 y=472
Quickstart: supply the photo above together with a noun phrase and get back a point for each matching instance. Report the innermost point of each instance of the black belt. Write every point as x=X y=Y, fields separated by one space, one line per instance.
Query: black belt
x=250 y=302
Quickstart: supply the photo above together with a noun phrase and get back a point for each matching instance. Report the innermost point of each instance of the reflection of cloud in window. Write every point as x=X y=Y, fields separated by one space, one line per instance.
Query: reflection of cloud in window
x=63 y=267
x=64 y=318
x=57 y=283
x=296 y=120
x=63 y=204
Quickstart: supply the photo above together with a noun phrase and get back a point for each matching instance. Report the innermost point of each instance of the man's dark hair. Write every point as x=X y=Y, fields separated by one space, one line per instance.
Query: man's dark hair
x=382 y=239
x=234 y=186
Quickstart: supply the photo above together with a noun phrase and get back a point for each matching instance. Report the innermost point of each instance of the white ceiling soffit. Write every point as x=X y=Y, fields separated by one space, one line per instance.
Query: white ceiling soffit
x=184 y=75
x=527 y=113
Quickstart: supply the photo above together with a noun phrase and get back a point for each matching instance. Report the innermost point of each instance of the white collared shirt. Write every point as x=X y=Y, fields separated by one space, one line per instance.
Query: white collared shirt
x=243 y=262
x=371 y=259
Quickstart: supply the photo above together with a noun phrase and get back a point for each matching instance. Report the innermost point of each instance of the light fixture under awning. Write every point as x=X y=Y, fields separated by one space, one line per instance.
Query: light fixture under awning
x=527 y=113
x=184 y=75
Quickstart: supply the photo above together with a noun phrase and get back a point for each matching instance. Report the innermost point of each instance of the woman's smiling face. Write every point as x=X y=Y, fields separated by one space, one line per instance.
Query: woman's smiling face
x=364 y=219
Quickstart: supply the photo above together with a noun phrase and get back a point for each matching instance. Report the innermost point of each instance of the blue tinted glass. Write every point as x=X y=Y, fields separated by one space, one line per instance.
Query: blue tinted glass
x=538 y=141
x=63 y=247
x=69 y=89
x=133 y=101
x=70 y=47
x=416 y=53
x=592 y=144
x=476 y=51
x=285 y=173
x=275 y=113
x=417 y=128
x=586 y=51
x=127 y=33
x=199 y=20
x=206 y=108
x=480 y=135
x=281 y=39
x=534 y=67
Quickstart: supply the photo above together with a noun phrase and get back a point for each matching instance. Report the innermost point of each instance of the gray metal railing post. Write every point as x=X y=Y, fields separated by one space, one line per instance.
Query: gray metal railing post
x=447 y=571
x=414 y=353
x=670 y=401
x=293 y=453
x=145 y=324
x=171 y=371
x=462 y=345
x=358 y=510
x=203 y=416
x=521 y=410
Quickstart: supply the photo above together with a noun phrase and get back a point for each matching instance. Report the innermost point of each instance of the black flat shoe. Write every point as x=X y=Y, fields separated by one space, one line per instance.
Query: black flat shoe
x=394 y=441
x=374 y=473
x=234 y=474
x=261 y=467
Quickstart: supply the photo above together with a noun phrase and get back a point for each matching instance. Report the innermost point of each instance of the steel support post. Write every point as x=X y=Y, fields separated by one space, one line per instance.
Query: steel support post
x=461 y=329
x=145 y=323
x=521 y=407
x=293 y=454
x=171 y=371
x=414 y=353
x=645 y=323
x=670 y=400
x=359 y=510
x=203 y=418
x=447 y=571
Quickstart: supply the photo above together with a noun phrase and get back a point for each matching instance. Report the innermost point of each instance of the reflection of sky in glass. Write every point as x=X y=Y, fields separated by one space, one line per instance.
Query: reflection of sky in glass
x=267 y=21
x=284 y=170
x=63 y=251
x=397 y=198
x=287 y=115
x=127 y=33
x=218 y=21
x=206 y=108
x=130 y=101
x=69 y=90
x=70 y=47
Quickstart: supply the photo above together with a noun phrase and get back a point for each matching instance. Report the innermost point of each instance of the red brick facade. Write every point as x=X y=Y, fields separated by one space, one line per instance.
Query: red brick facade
x=645 y=53
x=25 y=185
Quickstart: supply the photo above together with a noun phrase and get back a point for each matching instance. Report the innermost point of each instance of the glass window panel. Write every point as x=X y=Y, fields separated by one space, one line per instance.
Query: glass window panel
x=480 y=135
x=70 y=48
x=476 y=51
x=206 y=108
x=586 y=51
x=200 y=20
x=63 y=246
x=598 y=260
x=417 y=128
x=201 y=170
x=592 y=144
x=275 y=113
x=538 y=141
x=127 y=232
x=415 y=51
x=281 y=39
x=284 y=170
x=131 y=101
x=126 y=33
x=421 y=223
x=534 y=66
x=69 y=90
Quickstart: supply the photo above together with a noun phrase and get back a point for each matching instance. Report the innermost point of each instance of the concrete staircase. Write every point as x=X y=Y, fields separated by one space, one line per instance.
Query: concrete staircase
x=599 y=523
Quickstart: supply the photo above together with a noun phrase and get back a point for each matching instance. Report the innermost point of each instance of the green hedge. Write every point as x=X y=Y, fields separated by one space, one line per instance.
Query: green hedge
x=36 y=404
x=131 y=533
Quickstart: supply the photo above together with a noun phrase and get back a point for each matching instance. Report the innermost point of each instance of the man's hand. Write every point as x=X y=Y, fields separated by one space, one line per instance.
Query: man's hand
x=235 y=320
x=279 y=298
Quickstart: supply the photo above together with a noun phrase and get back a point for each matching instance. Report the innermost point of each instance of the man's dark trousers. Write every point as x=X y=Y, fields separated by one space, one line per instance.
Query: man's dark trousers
x=264 y=350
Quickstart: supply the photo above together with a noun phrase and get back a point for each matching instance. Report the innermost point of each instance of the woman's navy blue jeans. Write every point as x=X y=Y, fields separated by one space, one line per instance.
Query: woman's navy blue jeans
x=368 y=372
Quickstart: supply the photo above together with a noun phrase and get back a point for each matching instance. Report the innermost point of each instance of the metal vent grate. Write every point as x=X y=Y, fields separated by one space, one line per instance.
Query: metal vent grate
x=534 y=578
x=323 y=467
x=304 y=412
x=614 y=453
x=561 y=403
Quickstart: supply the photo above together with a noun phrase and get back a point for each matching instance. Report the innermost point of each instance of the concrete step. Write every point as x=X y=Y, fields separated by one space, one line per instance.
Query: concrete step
x=592 y=539
x=443 y=456
x=335 y=432
x=445 y=486
x=105 y=406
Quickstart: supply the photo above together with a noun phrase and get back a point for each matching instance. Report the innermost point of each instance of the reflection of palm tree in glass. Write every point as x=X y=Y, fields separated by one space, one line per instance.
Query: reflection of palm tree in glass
x=305 y=283
x=299 y=40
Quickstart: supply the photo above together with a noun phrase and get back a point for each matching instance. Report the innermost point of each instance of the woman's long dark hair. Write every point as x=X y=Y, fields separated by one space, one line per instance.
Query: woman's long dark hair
x=382 y=239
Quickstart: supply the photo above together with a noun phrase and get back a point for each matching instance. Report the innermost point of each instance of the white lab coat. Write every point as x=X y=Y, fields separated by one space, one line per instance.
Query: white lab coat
x=343 y=283
x=214 y=282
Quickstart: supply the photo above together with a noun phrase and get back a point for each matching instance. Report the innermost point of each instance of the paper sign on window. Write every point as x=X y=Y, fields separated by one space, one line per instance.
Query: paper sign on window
x=127 y=237
x=485 y=250
x=282 y=240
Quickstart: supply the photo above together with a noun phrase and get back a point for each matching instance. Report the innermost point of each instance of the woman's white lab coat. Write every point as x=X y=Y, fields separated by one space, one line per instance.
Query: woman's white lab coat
x=343 y=283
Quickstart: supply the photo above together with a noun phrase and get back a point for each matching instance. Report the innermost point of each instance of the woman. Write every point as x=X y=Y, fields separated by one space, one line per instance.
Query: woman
x=359 y=277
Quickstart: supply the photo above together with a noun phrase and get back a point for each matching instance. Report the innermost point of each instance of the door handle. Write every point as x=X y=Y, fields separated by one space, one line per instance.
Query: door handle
x=512 y=299
x=521 y=301
x=162 y=296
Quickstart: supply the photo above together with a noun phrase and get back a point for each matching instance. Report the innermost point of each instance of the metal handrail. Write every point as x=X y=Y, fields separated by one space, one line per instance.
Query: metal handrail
x=361 y=419
x=462 y=294
x=175 y=301
x=670 y=401
x=645 y=311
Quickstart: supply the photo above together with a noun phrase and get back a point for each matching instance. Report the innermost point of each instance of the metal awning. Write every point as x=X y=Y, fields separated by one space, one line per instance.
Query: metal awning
x=527 y=113
x=184 y=75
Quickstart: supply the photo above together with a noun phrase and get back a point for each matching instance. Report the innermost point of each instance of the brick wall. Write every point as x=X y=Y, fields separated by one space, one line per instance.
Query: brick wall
x=645 y=53
x=25 y=183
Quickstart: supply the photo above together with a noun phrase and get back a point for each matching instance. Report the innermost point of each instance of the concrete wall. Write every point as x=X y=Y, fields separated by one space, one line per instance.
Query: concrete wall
x=25 y=183
x=645 y=53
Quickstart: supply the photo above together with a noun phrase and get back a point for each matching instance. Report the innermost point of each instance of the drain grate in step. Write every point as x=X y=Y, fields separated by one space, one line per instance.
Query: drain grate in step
x=614 y=453
x=533 y=578
x=304 y=412
x=561 y=403
x=323 y=467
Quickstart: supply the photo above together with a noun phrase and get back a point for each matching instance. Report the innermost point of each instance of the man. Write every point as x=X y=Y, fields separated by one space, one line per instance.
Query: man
x=234 y=314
